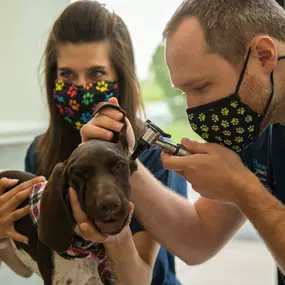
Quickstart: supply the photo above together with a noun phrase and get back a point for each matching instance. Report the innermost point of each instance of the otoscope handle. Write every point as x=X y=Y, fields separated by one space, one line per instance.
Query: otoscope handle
x=171 y=148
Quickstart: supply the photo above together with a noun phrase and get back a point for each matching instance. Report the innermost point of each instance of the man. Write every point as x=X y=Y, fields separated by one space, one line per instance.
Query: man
x=227 y=57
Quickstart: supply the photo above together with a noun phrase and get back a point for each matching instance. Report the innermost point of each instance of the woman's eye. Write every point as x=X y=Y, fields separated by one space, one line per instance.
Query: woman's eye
x=66 y=75
x=97 y=74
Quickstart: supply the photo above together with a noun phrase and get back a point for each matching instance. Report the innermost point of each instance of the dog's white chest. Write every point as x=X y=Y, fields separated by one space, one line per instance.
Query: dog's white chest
x=80 y=271
x=72 y=272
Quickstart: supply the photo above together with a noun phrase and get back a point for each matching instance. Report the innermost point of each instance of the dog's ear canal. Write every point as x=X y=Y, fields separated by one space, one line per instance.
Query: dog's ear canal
x=55 y=226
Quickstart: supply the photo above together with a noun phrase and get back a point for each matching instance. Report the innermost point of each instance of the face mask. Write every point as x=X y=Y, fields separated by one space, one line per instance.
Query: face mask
x=76 y=103
x=228 y=121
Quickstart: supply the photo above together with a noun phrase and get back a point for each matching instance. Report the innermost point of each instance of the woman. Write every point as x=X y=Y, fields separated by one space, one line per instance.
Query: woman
x=88 y=59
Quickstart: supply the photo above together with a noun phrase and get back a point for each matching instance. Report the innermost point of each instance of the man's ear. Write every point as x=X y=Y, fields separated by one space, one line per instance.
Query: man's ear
x=55 y=226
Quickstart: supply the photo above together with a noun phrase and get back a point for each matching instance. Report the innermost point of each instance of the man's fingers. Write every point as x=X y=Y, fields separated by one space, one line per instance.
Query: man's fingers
x=175 y=163
x=6 y=183
x=18 y=214
x=90 y=233
x=195 y=146
x=18 y=237
x=79 y=215
x=89 y=131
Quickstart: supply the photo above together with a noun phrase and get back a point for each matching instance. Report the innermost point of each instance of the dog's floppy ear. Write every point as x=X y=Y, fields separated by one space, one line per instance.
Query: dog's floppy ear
x=123 y=141
x=120 y=138
x=55 y=226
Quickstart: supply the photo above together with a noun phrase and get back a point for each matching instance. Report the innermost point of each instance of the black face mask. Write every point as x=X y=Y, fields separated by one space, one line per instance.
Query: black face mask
x=229 y=121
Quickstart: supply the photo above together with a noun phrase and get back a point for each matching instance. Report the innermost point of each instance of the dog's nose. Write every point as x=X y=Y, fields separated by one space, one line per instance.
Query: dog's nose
x=109 y=204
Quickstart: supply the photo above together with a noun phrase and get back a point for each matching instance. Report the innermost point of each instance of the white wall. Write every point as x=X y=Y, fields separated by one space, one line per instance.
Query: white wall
x=24 y=26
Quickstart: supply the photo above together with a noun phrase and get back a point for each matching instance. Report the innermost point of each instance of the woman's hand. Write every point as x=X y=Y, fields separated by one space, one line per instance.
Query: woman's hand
x=88 y=231
x=102 y=125
x=8 y=204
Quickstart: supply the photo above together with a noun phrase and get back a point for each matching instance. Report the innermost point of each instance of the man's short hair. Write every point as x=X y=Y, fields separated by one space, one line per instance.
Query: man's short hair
x=230 y=25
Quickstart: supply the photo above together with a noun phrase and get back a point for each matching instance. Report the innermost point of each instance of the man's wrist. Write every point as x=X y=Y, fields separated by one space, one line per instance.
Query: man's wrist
x=248 y=191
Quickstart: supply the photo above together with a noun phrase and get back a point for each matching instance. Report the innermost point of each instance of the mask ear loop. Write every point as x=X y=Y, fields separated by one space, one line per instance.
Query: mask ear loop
x=243 y=71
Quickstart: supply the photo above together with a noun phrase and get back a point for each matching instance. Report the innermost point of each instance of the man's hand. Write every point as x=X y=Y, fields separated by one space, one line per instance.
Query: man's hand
x=214 y=171
x=102 y=125
x=88 y=231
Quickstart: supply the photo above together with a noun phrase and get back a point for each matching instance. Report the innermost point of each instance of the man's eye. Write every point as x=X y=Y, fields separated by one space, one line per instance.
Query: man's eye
x=201 y=88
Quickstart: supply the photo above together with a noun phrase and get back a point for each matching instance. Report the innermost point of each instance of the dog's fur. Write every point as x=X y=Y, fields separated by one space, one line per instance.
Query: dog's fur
x=99 y=171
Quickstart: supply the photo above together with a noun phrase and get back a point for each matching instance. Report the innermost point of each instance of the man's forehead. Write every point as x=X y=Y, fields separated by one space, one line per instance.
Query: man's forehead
x=186 y=48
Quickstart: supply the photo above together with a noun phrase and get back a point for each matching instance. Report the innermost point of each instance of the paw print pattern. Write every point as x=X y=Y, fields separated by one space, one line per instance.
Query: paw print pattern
x=102 y=86
x=225 y=124
x=59 y=85
x=72 y=91
x=204 y=128
x=251 y=129
x=202 y=117
x=241 y=111
x=235 y=121
x=215 y=128
x=234 y=104
x=88 y=86
x=228 y=142
x=240 y=130
x=215 y=118
x=190 y=116
x=88 y=98
x=228 y=122
x=76 y=103
x=205 y=136
x=194 y=127
x=248 y=118
x=85 y=117
x=227 y=133
x=225 y=111
x=239 y=139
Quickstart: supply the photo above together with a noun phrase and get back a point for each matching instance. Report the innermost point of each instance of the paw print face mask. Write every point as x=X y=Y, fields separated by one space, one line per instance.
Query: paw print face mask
x=76 y=103
x=229 y=121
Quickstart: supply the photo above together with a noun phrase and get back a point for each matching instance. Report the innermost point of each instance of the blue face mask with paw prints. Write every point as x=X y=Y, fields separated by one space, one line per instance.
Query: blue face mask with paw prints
x=229 y=121
x=76 y=103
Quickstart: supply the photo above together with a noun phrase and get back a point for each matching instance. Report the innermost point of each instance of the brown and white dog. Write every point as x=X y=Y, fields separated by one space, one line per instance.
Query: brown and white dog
x=99 y=171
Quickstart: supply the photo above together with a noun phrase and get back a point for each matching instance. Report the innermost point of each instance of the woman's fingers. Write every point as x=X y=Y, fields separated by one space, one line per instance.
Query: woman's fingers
x=6 y=183
x=23 y=186
x=15 y=201
x=18 y=237
x=18 y=214
x=105 y=122
x=90 y=131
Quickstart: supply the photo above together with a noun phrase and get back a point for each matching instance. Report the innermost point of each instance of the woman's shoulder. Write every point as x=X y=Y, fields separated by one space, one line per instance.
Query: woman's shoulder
x=31 y=157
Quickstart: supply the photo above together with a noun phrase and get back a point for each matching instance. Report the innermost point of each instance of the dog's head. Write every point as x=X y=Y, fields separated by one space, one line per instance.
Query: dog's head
x=99 y=172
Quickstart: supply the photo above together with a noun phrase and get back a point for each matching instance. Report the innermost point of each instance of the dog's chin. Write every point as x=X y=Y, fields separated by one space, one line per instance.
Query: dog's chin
x=110 y=227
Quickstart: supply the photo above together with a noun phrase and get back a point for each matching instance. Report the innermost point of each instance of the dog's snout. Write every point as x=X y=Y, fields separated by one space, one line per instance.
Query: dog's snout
x=108 y=204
